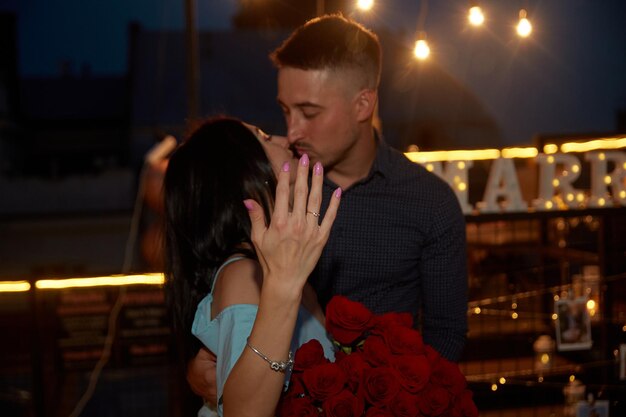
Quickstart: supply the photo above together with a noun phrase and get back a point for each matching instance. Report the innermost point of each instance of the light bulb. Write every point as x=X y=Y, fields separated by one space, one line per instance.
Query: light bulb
x=365 y=4
x=422 y=50
x=476 y=16
x=524 y=28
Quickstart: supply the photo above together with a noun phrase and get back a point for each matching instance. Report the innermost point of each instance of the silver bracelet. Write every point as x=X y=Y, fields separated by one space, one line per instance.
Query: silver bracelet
x=274 y=366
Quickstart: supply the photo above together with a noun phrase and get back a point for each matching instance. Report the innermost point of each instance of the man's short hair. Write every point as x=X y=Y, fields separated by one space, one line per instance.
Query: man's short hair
x=332 y=42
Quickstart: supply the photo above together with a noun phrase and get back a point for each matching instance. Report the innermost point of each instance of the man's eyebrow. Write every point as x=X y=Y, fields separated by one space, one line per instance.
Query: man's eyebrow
x=308 y=104
x=300 y=105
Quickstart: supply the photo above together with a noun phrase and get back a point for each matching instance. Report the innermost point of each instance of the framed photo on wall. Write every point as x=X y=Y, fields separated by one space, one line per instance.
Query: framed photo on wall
x=596 y=409
x=573 y=324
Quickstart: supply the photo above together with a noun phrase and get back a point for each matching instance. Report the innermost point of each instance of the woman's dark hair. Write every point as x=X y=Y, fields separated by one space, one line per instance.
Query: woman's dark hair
x=208 y=176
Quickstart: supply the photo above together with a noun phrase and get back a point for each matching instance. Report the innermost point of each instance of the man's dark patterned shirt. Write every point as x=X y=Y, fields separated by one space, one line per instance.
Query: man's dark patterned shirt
x=398 y=244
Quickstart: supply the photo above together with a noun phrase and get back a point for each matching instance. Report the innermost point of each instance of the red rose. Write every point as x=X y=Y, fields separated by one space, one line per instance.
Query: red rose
x=308 y=355
x=378 y=412
x=382 y=369
x=448 y=375
x=347 y=320
x=355 y=366
x=434 y=401
x=414 y=371
x=296 y=407
x=392 y=319
x=404 y=341
x=344 y=404
x=464 y=405
x=324 y=380
x=296 y=387
x=376 y=352
x=381 y=385
x=405 y=405
x=432 y=355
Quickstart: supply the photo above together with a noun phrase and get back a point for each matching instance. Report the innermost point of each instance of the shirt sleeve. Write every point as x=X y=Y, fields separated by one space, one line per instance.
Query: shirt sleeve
x=444 y=279
x=234 y=326
x=226 y=336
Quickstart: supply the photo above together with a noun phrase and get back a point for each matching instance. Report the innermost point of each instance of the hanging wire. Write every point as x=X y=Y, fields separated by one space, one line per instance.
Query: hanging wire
x=421 y=17
x=115 y=310
x=157 y=153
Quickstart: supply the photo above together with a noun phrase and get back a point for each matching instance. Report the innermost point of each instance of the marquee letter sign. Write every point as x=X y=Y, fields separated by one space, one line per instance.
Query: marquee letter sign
x=556 y=175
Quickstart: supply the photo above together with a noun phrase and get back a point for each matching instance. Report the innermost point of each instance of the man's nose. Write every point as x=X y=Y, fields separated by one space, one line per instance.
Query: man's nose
x=294 y=132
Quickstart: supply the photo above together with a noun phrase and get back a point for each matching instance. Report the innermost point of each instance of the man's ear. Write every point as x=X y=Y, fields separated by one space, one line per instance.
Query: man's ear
x=365 y=104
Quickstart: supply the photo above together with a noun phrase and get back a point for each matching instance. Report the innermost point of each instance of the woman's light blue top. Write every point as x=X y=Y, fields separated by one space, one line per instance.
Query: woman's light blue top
x=226 y=335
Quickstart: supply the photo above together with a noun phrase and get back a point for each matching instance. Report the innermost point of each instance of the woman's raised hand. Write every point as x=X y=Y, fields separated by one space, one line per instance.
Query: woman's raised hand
x=290 y=246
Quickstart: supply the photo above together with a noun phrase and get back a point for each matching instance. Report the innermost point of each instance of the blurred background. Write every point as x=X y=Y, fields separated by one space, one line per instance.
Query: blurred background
x=88 y=88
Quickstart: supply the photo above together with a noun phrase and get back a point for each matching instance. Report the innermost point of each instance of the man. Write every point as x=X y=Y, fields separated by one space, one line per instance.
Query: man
x=398 y=242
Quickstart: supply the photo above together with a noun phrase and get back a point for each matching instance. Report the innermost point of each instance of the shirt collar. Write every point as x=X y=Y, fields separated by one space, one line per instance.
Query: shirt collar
x=382 y=162
x=382 y=165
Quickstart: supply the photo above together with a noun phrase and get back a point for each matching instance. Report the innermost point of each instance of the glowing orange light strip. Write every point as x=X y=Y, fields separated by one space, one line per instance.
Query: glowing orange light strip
x=61 y=283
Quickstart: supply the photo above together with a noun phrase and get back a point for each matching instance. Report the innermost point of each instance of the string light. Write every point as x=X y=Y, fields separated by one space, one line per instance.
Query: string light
x=550 y=148
x=421 y=50
x=594 y=144
x=524 y=28
x=544 y=365
x=520 y=152
x=427 y=158
x=112 y=280
x=365 y=4
x=480 y=306
x=476 y=16
x=14 y=286
x=465 y=155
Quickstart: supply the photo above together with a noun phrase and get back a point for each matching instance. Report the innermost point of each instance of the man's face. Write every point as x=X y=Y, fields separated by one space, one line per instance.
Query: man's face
x=319 y=109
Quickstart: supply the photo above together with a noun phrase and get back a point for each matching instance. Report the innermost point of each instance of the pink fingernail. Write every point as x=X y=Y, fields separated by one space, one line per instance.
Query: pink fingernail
x=248 y=204
x=286 y=166
x=304 y=160
x=317 y=168
x=338 y=193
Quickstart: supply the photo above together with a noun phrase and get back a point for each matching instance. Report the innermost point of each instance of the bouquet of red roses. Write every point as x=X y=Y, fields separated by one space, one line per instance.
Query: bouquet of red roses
x=382 y=368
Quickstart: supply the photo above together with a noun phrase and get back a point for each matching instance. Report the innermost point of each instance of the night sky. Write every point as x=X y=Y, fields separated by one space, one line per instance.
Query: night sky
x=568 y=78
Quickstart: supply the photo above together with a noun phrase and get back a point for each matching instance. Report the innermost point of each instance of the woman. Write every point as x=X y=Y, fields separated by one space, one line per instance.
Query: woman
x=238 y=256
